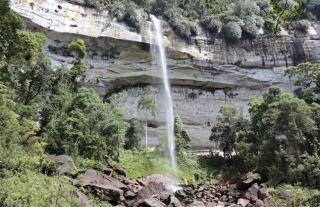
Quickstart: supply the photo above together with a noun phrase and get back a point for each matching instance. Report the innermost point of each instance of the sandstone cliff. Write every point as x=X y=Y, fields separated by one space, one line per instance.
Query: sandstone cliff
x=205 y=73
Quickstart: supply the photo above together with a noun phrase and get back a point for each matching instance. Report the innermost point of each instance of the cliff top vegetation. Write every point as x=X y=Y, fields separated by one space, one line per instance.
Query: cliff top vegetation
x=234 y=19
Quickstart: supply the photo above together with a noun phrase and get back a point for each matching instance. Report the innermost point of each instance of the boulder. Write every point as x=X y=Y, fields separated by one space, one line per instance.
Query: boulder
x=65 y=163
x=243 y=202
x=104 y=186
x=211 y=204
x=181 y=194
x=175 y=202
x=252 y=192
x=107 y=170
x=129 y=195
x=196 y=204
x=152 y=189
x=244 y=182
x=221 y=204
x=152 y=202
x=269 y=202
x=165 y=197
x=119 y=171
x=264 y=193
x=83 y=199
x=258 y=203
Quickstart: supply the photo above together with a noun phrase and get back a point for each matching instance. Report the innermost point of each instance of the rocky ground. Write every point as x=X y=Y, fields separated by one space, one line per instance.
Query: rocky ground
x=156 y=190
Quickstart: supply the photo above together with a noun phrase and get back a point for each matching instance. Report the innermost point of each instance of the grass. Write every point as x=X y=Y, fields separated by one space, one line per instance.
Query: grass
x=301 y=196
x=191 y=169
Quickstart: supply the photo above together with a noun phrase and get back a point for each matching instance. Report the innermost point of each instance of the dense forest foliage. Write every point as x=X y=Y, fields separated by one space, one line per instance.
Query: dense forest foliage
x=49 y=111
x=236 y=19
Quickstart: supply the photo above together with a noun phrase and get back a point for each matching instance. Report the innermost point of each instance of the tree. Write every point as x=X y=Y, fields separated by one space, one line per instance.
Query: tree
x=10 y=24
x=86 y=127
x=148 y=104
x=79 y=49
x=285 y=129
x=307 y=79
x=182 y=138
x=229 y=127
x=22 y=62
x=134 y=134
x=286 y=11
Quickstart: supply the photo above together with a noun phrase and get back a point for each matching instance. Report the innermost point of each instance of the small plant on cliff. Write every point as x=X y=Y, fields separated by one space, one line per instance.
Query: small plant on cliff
x=78 y=47
x=212 y=23
x=232 y=31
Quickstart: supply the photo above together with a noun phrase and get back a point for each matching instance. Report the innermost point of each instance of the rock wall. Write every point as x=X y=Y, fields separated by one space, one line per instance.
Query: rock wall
x=205 y=73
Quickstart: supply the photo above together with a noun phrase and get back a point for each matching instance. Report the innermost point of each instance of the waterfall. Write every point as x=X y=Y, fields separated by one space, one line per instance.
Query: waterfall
x=159 y=55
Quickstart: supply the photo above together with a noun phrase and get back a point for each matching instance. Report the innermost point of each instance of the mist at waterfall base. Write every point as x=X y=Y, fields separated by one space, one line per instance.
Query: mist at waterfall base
x=159 y=55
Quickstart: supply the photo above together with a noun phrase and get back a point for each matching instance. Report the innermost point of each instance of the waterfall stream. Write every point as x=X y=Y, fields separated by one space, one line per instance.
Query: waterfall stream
x=159 y=55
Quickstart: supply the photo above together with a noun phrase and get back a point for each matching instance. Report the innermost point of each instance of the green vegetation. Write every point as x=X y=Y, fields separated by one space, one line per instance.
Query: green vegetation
x=243 y=18
x=307 y=80
x=46 y=111
x=182 y=139
x=192 y=169
x=87 y=127
x=78 y=47
x=229 y=128
x=281 y=139
x=49 y=111
x=301 y=197
x=147 y=103
x=135 y=132
x=37 y=190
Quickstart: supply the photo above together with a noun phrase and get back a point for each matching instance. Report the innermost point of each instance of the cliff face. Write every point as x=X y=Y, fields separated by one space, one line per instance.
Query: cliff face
x=205 y=73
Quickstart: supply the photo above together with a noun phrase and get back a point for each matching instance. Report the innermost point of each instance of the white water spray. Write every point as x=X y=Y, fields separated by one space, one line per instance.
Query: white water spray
x=160 y=56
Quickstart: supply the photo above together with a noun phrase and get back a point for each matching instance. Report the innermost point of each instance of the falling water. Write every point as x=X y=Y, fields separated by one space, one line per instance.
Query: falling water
x=160 y=56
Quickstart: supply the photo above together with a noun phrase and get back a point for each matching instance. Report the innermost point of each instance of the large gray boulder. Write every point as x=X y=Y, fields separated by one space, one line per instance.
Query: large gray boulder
x=65 y=163
x=105 y=187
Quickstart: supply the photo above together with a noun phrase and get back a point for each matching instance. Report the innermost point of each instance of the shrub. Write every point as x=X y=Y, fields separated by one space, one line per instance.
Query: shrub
x=118 y=10
x=307 y=173
x=287 y=4
x=302 y=197
x=131 y=17
x=79 y=47
x=250 y=28
x=212 y=24
x=36 y=190
x=232 y=31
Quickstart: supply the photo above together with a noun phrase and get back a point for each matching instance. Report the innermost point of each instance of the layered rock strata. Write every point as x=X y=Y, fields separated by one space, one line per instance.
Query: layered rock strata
x=205 y=72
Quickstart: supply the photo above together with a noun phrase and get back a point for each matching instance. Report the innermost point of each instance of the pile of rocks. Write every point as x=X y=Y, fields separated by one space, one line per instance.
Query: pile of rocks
x=227 y=195
x=240 y=192
x=156 y=191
